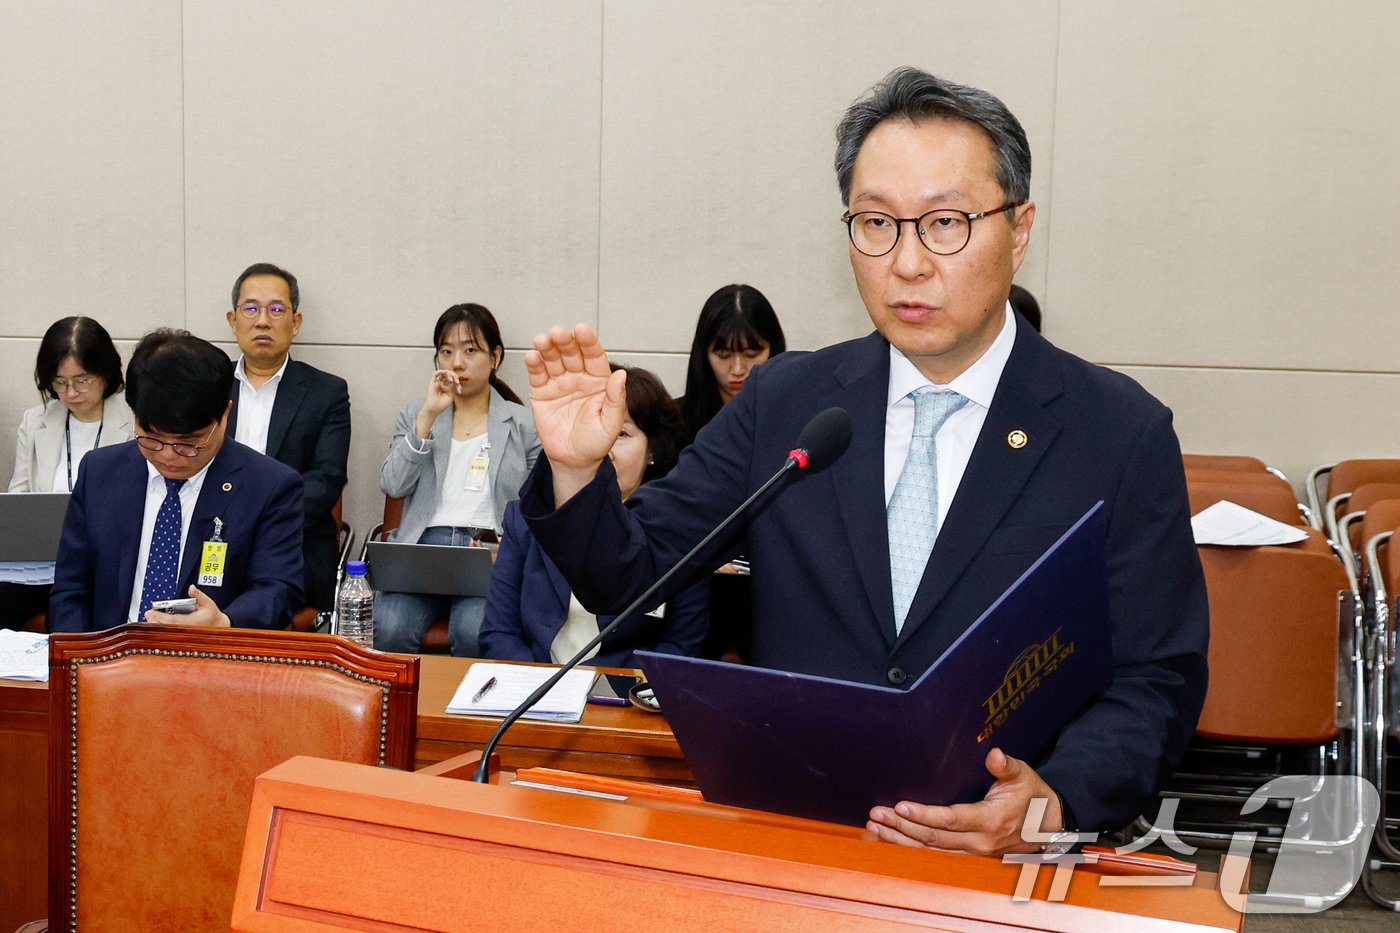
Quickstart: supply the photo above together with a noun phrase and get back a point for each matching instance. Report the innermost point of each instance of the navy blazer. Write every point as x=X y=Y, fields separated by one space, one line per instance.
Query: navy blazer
x=310 y=432
x=529 y=600
x=257 y=499
x=819 y=547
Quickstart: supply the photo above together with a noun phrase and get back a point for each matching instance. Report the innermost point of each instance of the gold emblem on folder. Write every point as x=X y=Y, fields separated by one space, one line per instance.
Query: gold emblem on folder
x=1017 y=439
x=1031 y=666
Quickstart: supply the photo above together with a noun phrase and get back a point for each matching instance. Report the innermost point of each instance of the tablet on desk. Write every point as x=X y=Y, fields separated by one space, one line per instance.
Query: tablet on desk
x=433 y=569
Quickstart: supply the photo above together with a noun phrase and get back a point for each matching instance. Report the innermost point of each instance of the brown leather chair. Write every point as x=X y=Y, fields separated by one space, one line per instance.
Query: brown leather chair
x=157 y=735
x=437 y=639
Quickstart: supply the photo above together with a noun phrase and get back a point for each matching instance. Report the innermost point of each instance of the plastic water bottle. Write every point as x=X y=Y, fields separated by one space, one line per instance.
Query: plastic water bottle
x=355 y=605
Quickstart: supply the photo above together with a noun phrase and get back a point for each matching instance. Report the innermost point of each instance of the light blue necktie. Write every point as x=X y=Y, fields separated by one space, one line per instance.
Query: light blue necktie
x=163 y=560
x=913 y=510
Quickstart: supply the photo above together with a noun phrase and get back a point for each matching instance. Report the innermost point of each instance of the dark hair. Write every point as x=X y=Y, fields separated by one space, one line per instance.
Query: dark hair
x=267 y=268
x=87 y=342
x=1024 y=303
x=480 y=323
x=178 y=383
x=737 y=317
x=652 y=409
x=914 y=95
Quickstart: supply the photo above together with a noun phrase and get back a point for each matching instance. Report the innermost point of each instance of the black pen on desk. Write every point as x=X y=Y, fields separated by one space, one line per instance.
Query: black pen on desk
x=476 y=697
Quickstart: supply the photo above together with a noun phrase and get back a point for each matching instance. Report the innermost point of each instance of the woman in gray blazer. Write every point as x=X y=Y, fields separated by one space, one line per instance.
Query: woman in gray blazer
x=457 y=457
x=78 y=373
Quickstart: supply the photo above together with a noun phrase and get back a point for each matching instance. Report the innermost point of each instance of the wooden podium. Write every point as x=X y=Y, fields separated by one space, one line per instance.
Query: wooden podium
x=332 y=845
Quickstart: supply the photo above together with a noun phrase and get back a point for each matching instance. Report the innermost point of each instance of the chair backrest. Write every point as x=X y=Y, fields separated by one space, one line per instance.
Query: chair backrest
x=1274 y=633
x=1384 y=516
x=1271 y=497
x=1223 y=462
x=1362 y=500
x=393 y=516
x=157 y=735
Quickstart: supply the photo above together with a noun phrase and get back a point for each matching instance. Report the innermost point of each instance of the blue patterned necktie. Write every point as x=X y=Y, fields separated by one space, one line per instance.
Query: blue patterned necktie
x=163 y=561
x=913 y=510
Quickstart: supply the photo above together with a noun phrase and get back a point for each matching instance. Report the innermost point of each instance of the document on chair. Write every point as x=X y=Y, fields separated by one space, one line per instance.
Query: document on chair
x=24 y=655
x=1228 y=523
x=496 y=689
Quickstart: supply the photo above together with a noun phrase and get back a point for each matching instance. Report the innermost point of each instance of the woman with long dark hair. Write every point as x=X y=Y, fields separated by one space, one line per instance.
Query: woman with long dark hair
x=458 y=456
x=737 y=331
x=78 y=373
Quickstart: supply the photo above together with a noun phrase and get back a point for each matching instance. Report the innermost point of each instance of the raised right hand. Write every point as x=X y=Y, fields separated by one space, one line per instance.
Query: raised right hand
x=578 y=403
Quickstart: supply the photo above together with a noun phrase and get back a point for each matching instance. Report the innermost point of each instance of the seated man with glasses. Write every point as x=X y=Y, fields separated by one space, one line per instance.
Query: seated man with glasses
x=181 y=511
x=293 y=412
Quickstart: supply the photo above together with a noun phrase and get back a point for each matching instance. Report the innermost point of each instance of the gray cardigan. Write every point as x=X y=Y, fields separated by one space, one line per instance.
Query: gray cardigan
x=417 y=477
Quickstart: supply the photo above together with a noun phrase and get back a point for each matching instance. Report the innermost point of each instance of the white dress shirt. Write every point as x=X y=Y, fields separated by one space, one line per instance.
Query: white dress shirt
x=155 y=495
x=957 y=437
x=255 y=406
x=458 y=506
x=83 y=435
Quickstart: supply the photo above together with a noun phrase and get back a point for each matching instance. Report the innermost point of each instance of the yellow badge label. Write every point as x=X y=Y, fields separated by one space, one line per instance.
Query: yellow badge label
x=211 y=563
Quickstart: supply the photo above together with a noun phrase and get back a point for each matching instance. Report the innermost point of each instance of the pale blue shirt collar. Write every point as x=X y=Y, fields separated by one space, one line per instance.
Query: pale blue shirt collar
x=977 y=383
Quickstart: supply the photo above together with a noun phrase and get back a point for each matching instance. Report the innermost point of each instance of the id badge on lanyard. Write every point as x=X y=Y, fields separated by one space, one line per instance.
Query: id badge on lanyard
x=476 y=469
x=213 y=557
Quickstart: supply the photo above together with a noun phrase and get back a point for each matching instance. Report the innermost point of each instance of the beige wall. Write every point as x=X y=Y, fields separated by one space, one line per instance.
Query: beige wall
x=1216 y=184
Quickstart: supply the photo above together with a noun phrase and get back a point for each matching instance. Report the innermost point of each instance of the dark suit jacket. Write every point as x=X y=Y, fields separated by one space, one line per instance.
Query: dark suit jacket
x=310 y=432
x=529 y=600
x=258 y=500
x=819 y=546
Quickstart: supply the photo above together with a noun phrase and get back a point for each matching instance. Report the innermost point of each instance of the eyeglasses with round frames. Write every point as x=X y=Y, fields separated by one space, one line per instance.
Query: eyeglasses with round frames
x=251 y=310
x=943 y=232
x=78 y=384
x=155 y=444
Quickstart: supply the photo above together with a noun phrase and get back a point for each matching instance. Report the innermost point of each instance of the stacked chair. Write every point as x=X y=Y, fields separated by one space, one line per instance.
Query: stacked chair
x=1285 y=622
x=1382 y=581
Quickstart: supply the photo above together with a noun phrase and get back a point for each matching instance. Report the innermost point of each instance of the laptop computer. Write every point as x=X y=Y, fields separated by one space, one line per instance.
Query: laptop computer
x=829 y=749
x=31 y=524
x=433 y=569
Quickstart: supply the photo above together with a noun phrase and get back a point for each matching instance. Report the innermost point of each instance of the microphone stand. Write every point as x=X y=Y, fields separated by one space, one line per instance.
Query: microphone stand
x=797 y=458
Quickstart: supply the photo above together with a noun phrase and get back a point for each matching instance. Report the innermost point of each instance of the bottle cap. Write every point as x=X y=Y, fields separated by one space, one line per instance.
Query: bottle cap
x=355 y=568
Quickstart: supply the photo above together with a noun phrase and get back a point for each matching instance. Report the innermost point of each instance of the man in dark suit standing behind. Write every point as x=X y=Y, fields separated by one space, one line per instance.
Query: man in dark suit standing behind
x=181 y=511
x=294 y=413
x=975 y=445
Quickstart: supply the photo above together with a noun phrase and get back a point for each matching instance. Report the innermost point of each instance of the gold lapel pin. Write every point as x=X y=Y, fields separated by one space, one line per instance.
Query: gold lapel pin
x=1017 y=439
x=228 y=487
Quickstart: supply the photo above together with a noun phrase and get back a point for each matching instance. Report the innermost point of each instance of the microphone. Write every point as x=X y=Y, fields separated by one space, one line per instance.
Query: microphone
x=825 y=438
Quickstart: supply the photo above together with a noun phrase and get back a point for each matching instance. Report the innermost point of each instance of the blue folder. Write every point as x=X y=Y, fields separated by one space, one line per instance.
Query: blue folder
x=831 y=749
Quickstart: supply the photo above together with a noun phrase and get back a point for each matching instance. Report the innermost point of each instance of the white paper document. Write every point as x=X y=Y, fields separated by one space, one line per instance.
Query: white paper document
x=513 y=683
x=24 y=655
x=1232 y=524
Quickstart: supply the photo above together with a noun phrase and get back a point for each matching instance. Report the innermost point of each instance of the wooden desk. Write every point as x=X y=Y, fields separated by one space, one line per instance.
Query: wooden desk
x=24 y=802
x=519 y=858
x=611 y=740
x=621 y=741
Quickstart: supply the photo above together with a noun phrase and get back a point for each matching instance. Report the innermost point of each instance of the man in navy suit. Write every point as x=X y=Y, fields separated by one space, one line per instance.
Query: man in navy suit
x=936 y=180
x=181 y=511
x=291 y=411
